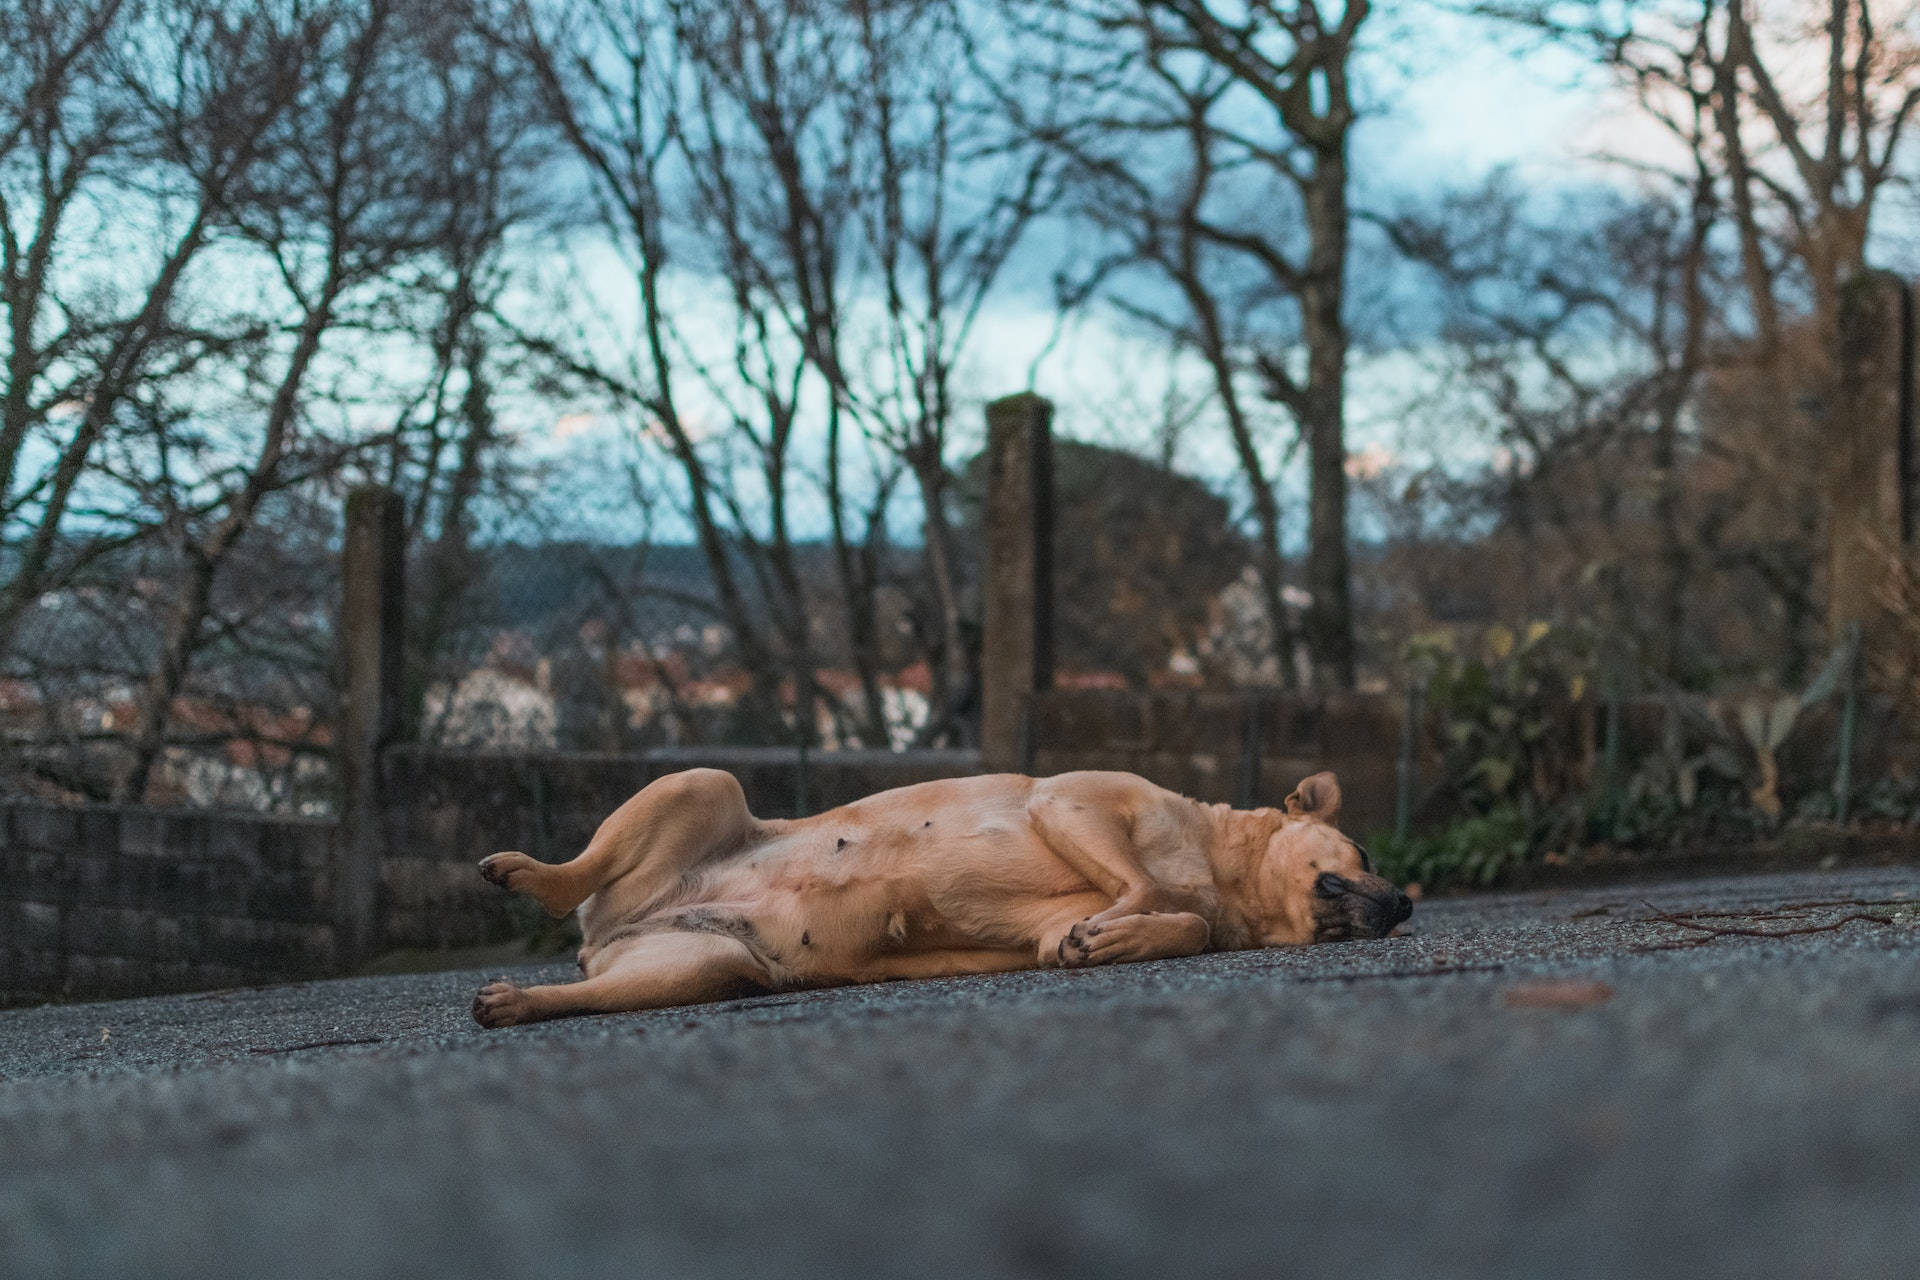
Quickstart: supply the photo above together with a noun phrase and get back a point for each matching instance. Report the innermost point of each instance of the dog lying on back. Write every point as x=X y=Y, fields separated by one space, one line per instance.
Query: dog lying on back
x=684 y=896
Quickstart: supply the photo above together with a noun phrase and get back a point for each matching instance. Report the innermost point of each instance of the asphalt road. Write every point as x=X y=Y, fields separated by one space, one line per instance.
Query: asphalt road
x=1547 y=1084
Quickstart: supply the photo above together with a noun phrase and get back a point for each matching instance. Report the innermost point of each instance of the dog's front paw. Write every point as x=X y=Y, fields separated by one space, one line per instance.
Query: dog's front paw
x=501 y=1004
x=1076 y=949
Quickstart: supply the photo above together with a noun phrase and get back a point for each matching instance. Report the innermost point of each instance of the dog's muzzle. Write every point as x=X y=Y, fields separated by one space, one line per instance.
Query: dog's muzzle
x=1366 y=907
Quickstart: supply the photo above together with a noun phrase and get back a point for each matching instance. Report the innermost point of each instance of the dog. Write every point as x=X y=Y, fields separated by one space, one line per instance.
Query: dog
x=684 y=896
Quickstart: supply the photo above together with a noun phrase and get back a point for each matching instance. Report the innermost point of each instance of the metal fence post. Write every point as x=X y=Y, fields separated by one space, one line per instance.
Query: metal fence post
x=1407 y=768
x=1849 y=715
x=1026 y=749
x=1610 y=744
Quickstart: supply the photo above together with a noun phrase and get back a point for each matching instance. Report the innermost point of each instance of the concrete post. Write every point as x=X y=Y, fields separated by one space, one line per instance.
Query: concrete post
x=372 y=629
x=1017 y=577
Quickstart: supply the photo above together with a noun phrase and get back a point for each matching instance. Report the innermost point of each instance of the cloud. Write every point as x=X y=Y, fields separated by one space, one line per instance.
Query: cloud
x=571 y=426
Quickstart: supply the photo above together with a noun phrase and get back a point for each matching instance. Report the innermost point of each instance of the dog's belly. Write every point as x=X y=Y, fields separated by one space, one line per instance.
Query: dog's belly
x=823 y=900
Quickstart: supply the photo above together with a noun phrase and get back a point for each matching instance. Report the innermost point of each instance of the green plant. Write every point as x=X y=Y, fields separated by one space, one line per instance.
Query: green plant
x=1690 y=781
x=1504 y=719
x=1533 y=761
x=1475 y=851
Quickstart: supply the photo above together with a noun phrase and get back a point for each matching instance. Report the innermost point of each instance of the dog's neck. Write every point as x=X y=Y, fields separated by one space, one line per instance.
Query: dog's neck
x=1234 y=853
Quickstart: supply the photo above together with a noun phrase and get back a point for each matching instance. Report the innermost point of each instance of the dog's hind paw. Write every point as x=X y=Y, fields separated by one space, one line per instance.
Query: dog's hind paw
x=544 y=883
x=499 y=868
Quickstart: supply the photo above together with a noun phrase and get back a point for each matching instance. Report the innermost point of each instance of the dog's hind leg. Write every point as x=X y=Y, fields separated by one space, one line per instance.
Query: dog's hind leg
x=650 y=972
x=673 y=824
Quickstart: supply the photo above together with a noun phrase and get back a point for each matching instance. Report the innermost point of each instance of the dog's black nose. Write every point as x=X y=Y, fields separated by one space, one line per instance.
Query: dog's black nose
x=1399 y=908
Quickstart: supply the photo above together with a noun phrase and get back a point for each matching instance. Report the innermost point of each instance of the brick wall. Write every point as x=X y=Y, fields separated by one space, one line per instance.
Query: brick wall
x=105 y=901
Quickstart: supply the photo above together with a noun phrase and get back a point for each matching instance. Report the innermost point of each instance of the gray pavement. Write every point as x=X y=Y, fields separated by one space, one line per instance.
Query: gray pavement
x=1541 y=1084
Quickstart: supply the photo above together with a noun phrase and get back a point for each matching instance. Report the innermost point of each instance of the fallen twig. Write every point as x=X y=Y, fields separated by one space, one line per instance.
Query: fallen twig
x=1718 y=930
x=1677 y=944
x=1786 y=908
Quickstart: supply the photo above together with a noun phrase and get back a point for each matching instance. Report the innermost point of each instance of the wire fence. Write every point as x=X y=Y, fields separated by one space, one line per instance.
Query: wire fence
x=1588 y=721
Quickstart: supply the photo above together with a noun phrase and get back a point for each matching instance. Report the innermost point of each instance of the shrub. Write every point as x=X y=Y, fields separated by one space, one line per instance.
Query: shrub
x=1474 y=851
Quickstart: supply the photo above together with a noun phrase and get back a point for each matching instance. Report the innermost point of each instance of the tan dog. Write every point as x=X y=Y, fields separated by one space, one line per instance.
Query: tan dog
x=684 y=896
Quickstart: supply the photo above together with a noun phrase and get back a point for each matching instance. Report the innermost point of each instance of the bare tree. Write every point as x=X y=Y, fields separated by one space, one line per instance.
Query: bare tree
x=1214 y=144
x=375 y=218
x=1644 y=485
x=945 y=205
x=610 y=77
x=334 y=205
x=1809 y=106
x=109 y=101
x=890 y=211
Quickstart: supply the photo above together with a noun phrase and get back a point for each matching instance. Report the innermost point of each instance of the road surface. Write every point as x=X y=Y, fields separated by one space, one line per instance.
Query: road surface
x=1581 y=1083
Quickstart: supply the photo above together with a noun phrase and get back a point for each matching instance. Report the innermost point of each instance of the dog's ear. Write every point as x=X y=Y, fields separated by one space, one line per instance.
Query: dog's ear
x=1317 y=797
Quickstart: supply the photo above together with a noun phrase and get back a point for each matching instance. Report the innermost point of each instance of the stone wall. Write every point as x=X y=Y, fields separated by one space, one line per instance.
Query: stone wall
x=105 y=901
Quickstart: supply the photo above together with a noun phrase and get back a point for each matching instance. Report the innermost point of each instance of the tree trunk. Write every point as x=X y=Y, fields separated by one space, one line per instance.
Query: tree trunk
x=1860 y=435
x=857 y=579
x=946 y=651
x=1329 y=623
x=1266 y=508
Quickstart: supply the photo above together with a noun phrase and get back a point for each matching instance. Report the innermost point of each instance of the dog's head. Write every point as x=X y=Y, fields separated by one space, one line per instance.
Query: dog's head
x=1313 y=883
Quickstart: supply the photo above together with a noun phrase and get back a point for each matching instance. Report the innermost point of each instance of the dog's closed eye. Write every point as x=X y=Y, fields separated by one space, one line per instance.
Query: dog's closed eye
x=1329 y=885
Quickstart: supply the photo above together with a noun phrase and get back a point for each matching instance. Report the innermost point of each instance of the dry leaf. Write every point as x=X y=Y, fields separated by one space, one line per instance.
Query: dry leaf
x=1557 y=993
